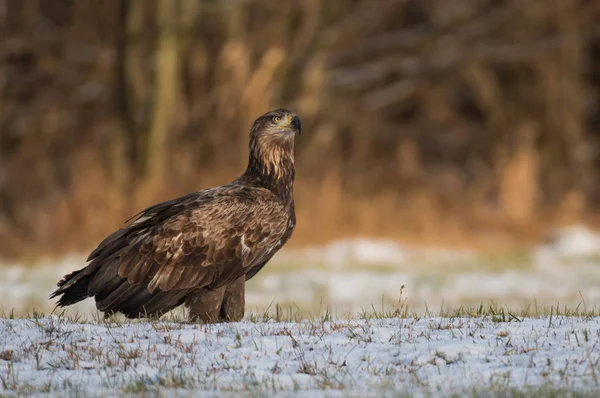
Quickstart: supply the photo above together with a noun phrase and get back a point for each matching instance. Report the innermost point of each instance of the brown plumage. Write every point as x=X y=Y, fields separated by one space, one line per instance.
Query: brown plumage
x=199 y=249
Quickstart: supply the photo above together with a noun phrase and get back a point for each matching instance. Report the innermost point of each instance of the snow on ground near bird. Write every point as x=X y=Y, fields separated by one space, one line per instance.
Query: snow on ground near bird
x=366 y=357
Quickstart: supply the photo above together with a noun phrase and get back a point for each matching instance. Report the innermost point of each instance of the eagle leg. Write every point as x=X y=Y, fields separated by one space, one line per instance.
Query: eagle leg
x=225 y=304
x=232 y=309
x=205 y=305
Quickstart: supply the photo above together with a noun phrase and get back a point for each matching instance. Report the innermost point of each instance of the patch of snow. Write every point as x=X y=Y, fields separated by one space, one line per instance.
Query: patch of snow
x=368 y=252
x=363 y=251
x=571 y=242
x=377 y=357
x=352 y=291
x=26 y=288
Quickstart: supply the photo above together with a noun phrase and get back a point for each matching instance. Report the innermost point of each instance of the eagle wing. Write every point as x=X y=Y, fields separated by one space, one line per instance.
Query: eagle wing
x=210 y=243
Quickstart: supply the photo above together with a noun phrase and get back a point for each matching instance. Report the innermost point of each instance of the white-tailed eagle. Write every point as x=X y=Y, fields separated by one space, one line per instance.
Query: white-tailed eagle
x=199 y=249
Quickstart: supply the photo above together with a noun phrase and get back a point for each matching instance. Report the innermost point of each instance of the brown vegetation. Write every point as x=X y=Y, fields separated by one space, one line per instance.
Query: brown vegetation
x=425 y=119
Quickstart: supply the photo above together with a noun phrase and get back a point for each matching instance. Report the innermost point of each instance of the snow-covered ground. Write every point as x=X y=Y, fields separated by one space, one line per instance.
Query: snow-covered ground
x=360 y=357
x=350 y=358
x=351 y=275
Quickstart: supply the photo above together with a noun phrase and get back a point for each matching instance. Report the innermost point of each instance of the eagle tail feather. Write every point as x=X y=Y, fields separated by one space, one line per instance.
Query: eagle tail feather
x=73 y=288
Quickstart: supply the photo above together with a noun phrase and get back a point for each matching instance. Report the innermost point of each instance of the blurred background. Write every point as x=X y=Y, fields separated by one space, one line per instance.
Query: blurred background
x=451 y=147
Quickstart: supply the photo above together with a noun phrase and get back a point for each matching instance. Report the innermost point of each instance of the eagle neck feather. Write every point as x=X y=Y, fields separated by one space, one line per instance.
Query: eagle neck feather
x=271 y=166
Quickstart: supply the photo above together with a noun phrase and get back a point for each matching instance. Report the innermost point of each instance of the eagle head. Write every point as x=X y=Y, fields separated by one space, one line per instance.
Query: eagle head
x=278 y=126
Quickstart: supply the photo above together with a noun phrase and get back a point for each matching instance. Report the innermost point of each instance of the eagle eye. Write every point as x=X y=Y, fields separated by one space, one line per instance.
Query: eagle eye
x=276 y=119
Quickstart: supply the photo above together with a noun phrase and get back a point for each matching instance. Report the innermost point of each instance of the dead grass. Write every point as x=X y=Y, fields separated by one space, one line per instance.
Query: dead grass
x=291 y=313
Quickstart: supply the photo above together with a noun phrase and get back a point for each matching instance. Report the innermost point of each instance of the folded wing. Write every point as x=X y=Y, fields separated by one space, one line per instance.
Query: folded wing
x=207 y=245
